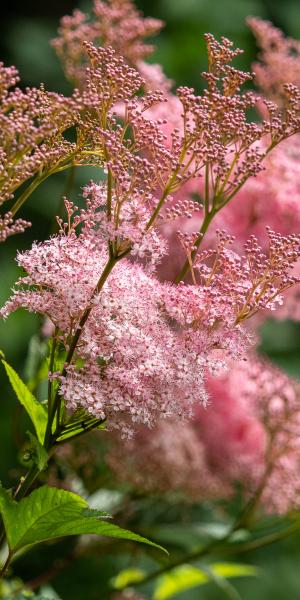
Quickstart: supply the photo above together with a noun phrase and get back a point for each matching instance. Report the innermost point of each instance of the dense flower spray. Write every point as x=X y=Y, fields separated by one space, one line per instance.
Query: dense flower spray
x=150 y=344
x=31 y=139
x=271 y=199
x=213 y=136
x=249 y=436
x=143 y=337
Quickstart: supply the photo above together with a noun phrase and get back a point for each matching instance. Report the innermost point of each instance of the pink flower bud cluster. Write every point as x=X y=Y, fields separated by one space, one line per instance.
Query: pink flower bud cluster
x=146 y=155
x=279 y=59
x=115 y=23
x=250 y=282
x=9 y=227
x=272 y=198
x=249 y=435
x=211 y=134
x=32 y=123
x=109 y=78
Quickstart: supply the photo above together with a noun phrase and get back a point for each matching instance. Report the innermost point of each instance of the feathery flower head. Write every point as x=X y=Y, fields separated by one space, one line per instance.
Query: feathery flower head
x=273 y=400
x=279 y=59
x=149 y=343
x=115 y=23
x=168 y=459
x=248 y=435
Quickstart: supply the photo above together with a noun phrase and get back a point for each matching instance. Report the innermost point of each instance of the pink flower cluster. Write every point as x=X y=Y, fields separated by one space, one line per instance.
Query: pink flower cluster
x=279 y=58
x=272 y=399
x=115 y=23
x=169 y=459
x=272 y=198
x=269 y=199
x=138 y=348
x=31 y=126
x=145 y=346
x=248 y=436
x=9 y=227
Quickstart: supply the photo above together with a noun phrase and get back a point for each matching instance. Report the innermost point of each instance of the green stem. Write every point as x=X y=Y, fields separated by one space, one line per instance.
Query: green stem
x=51 y=367
x=204 y=227
x=264 y=541
x=69 y=183
x=26 y=483
x=158 y=207
x=218 y=545
x=5 y=566
x=57 y=400
x=206 y=194
x=109 y=194
x=167 y=190
x=87 y=429
x=191 y=556
x=28 y=191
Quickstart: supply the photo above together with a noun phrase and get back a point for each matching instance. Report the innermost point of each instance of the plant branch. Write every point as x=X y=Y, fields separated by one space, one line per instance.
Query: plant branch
x=204 y=227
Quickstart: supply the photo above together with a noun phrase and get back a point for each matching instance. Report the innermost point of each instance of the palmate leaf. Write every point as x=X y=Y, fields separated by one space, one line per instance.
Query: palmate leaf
x=186 y=577
x=33 y=407
x=49 y=513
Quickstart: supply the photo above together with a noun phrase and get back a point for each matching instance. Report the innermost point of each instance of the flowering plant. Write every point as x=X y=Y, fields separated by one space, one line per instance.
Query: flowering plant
x=145 y=290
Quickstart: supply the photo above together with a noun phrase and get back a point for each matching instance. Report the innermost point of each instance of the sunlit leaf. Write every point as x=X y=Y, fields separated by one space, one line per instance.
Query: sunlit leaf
x=49 y=513
x=186 y=577
x=33 y=407
x=127 y=577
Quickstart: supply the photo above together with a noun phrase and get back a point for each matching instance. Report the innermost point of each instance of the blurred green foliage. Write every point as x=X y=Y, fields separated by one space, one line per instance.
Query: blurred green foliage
x=25 y=35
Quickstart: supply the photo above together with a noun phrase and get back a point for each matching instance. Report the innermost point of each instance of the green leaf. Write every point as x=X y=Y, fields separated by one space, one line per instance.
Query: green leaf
x=37 y=349
x=49 y=513
x=127 y=577
x=222 y=584
x=39 y=454
x=186 y=577
x=179 y=580
x=33 y=407
x=233 y=570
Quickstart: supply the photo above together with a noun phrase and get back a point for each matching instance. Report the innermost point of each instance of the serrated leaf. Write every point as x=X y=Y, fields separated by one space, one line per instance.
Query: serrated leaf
x=186 y=577
x=49 y=513
x=127 y=577
x=40 y=455
x=33 y=407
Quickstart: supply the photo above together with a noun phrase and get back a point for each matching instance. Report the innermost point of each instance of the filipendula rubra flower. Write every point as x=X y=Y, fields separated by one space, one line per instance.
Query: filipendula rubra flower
x=248 y=436
x=279 y=59
x=115 y=23
x=213 y=137
x=144 y=346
